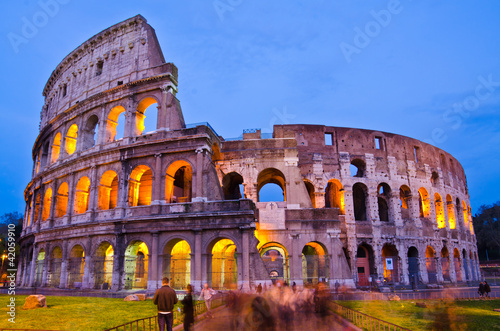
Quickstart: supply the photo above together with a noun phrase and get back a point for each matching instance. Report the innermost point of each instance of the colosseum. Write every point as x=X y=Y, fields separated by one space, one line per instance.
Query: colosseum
x=112 y=207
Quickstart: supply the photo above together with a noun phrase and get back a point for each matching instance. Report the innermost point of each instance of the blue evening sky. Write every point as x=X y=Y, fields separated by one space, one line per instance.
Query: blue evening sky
x=426 y=69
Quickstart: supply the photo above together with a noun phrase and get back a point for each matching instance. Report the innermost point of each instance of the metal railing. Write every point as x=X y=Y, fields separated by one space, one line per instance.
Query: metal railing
x=151 y=323
x=450 y=294
x=365 y=321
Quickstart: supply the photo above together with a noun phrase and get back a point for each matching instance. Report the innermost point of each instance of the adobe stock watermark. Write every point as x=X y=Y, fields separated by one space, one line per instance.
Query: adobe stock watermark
x=31 y=25
x=461 y=110
x=223 y=6
x=371 y=30
x=280 y=117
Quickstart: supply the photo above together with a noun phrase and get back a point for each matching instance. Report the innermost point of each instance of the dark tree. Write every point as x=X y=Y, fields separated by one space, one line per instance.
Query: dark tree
x=6 y=219
x=487 y=230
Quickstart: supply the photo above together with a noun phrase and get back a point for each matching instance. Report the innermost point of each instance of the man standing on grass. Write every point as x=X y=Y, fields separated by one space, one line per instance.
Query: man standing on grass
x=165 y=298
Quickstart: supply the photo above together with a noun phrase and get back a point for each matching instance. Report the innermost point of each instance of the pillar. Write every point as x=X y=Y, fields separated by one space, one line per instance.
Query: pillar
x=156 y=194
x=197 y=279
x=33 y=267
x=118 y=263
x=122 y=202
x=87 y=280
x=94 y=191
x=71 y=199
x=63 y=282
x=153 y=282
x=246 y=260
x=296 y=261
x=46 y=266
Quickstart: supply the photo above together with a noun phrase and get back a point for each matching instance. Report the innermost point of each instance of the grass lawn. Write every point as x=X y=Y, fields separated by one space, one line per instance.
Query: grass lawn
x=440 y=315
x=76 y=313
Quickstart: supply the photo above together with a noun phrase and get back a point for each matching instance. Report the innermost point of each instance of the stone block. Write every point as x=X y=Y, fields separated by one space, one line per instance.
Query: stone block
x=131 y=297
x=35 y=301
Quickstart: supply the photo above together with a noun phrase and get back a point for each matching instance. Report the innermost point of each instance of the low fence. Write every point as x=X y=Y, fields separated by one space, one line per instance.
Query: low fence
x=447 y=294
x=364 y=321
x=151 y=323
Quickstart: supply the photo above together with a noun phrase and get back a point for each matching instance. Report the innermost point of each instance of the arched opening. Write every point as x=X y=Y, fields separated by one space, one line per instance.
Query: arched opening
x=271 y=185
x=458 y=267
x=54 y=276
x=383 y=198
x=413 y=271
x=76 y=267
x=45 y=155
x=472 y=265
x=357 y=168
x=451 y=212
x=465 y=213
x=390 y=258
x=47 y=200
x=140 y=186
x=310 y=192
x=315 y=267
x=40 y=261
x=61 y=200
x=359 y=193
x=115 y=124
x=56 y=148
x=424 y=203
x=103 y=266
x=70 y=139
x=275 y=258
x=216 y=153
x=108 y=190
x=404 y=200
x=90 y=131
x=177 y=263
x=458 y=213
x=179 y=182
x=466 y=265
x=136 y=266
x=438 y=203
x=222 y=271
x=364 y=264
x=435 y=179
x=37 y=207
x=334 y=196
x=82 y=195
x=146 y=124
x=232 y=186
x=430 y=263
x=445 y=263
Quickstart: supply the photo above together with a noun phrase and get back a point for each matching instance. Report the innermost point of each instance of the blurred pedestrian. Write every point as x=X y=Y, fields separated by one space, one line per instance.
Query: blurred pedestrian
x=187 y=302
x=487 y=289
x=207 y=294
x=259 y=289
x=165 y=298
x=480 y=290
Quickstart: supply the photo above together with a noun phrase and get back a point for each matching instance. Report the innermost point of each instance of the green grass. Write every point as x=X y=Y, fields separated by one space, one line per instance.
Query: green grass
x=76 y=313
x=440 y=315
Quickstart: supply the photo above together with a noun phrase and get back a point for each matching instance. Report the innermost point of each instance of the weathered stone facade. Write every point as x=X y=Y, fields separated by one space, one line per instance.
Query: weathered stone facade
x=106 y=210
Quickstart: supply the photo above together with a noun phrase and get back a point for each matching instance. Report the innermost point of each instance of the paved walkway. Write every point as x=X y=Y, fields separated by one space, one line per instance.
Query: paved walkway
x=224 y=320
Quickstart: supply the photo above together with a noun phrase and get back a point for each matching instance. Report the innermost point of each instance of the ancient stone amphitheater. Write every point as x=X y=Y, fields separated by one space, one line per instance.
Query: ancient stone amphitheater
x=113 y=206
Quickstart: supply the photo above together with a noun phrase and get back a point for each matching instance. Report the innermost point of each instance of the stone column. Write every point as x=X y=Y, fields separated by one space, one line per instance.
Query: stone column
x=71 y=199
x=118 y=263
x=453 y=274
x=239 y=264
x=206 y=267
x=122 y=202
x=414 y=210
x=296 y=261
x=94 y=192
x=246 y=260
x=33 y=266
x=197 y=279
x=52 y=203
x=46 y=265
x=153 y=283
x=372 y=206
x=439 y=268
x=86 y=279
x=156 y=198
x=198 y=176
x=403 y=271
x=31 y=220
x=63 y=282
x=395 y=209
x=129 y=130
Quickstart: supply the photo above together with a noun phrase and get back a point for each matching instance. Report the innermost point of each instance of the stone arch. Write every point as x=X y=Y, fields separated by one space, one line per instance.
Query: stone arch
x=76 y=266
x=44 y=159
x=310 y=192
x=89 y=132
x=383 y=201
x=445 y=263
x=365 y=264
x=413 y=266
x=275 y=258
x=177 y=263
x=61 y=200
x=458 y=266
x=435 y=179
x=450 y=209
x=140 y=115
x=232 y=186
x=271 y=176
x=315 y=268
x=222 y=266
x=360 y=201
x=112 y=123
x=334 y=195
x=390 y=260
x=108 y=190
x=440 y=219
x=424 y=203
x=404 y=201
x=82 y=195
x=465 y=213
x=71 y=139
x=179 y=182
x=56 y=148
x=54 y=274
x=430 y=263
x=47 y=201
x=358 y=168
x=103 y=265
x=140 y=186
x=136 y=265
x=39 y=267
